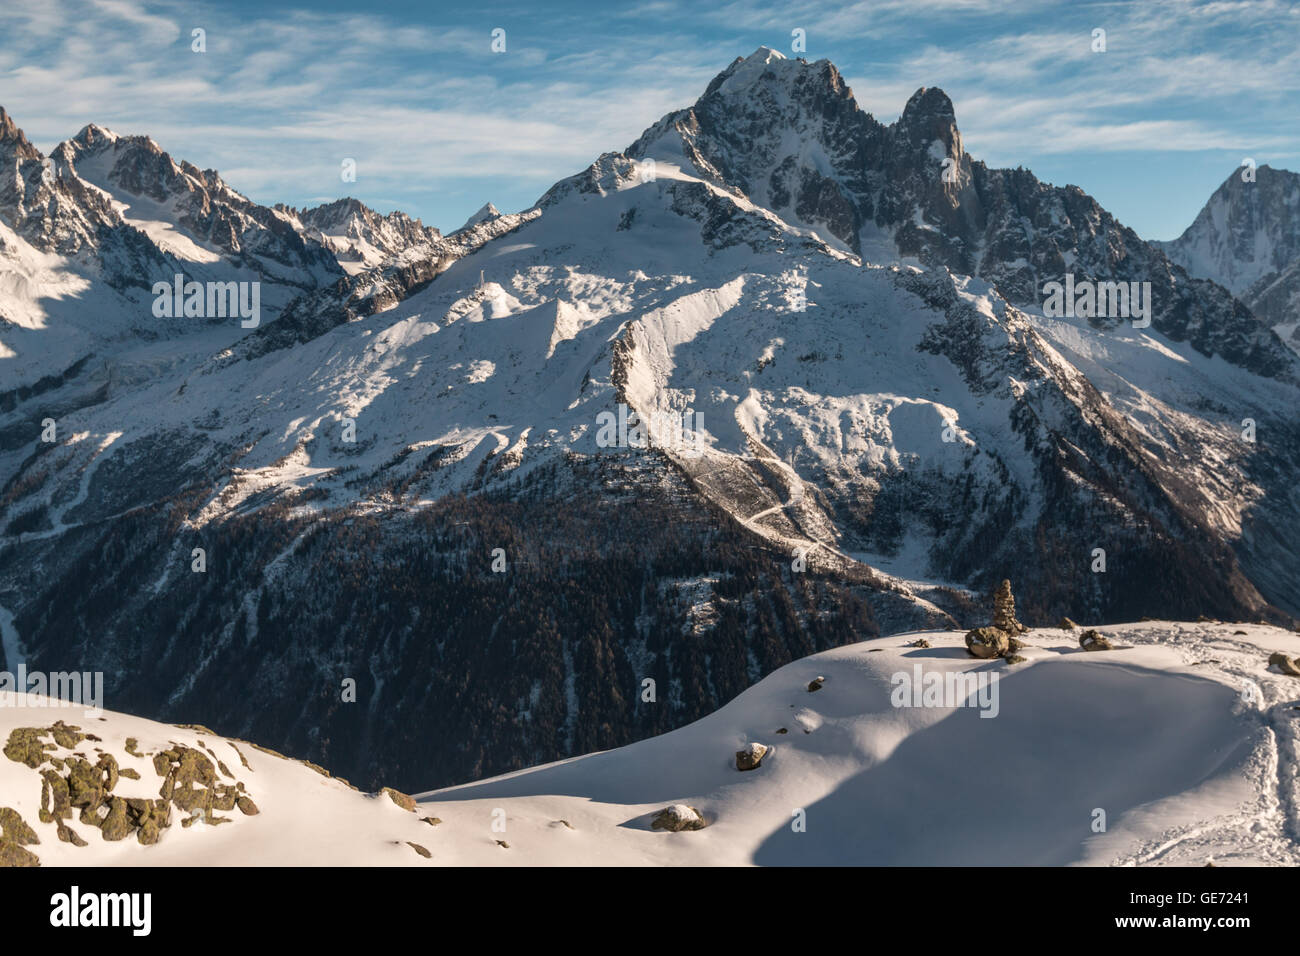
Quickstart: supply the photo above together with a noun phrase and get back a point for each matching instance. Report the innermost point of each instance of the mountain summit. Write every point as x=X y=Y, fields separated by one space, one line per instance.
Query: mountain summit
x=1247 y=239
x=790 y=136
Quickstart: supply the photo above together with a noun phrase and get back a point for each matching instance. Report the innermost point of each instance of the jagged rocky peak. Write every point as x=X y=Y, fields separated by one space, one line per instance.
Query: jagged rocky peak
x=92 y=137
x=14 y=141
x=358 y=235
x=485 y=212
x=1249 y=228
x=1247 y=239
x=136 y=164
x=929 y=116
x=55 y=213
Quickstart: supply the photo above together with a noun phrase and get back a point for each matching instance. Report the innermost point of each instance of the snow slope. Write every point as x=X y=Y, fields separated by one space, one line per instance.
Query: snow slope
x=1183 y=737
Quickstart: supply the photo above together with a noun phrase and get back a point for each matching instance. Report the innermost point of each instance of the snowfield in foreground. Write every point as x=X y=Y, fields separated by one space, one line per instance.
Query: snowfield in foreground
x=1182 y=741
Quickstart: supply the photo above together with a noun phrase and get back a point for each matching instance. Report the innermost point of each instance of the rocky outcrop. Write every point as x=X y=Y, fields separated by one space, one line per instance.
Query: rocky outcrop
x=403 y=800
x=70 y=783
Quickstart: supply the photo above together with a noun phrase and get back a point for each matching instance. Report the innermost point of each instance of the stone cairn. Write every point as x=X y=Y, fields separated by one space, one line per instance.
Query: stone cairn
x=1002 y=639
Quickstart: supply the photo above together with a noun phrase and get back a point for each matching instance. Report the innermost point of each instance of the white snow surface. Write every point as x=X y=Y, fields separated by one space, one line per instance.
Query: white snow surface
x=1182 y=736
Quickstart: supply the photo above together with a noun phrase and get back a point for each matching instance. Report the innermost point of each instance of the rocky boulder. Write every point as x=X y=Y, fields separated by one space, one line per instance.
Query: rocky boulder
x=987 y=642
x=751 y=757
x=1285 y=664
x=678 y=817
x=1090 y=640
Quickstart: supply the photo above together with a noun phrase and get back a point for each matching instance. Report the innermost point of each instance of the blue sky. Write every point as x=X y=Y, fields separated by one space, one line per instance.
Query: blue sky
x=439 y=124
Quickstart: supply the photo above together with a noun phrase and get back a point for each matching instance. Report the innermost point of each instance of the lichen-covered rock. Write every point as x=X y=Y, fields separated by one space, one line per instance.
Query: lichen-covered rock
x=919 y=642
x=678 y=817
x=69 y=835
x=197 y=728
x=432 y=821
x=816 y=683
x=1015 y=659
x=246 y=806
x=242 y=758
x=1014 y=644
x=149 y=817
x=751 y=756
x=116 y=826
x=1285 y=664
x=986 y=642
x=133 y=747
x=1004 y=611
x=85 y=784
x=1091 y=640
x=1066 y=624
x=403 y=800
x=25 y=746
x=67 y=735
x=11 y=854
x=15 y=829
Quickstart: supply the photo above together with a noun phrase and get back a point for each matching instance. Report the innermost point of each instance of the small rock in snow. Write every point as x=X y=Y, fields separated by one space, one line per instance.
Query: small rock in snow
x=678 y=817
x=1285 y=664
x=751 y=756
x=1090 y=640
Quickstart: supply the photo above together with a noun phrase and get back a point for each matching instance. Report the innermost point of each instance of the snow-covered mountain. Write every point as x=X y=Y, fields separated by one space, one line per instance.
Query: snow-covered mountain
x=1247 y=239
x=406 y=476
x=791 y=137
x=361 y=238
x=1177 y=748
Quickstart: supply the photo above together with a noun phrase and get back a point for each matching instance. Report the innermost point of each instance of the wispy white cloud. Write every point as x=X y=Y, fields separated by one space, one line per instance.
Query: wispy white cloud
x=430 y=112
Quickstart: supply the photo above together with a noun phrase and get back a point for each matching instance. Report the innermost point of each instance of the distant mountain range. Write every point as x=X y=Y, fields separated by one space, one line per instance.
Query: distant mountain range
x=399 y=476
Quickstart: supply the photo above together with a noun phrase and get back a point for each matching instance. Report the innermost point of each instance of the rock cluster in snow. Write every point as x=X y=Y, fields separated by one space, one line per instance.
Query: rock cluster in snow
x=1002 y=637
